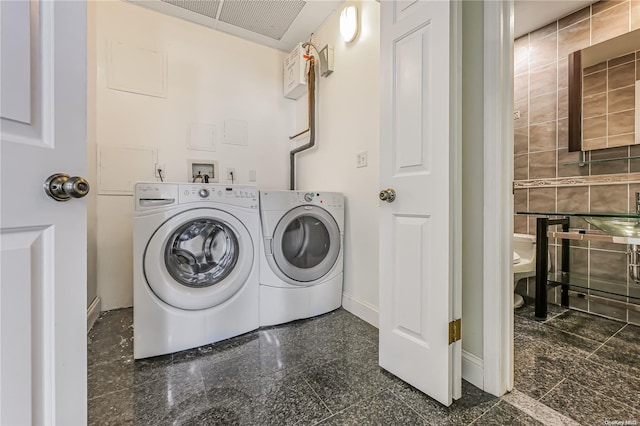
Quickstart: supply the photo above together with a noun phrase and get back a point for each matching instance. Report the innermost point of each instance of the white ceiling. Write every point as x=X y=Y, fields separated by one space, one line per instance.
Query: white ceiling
x=530 y=15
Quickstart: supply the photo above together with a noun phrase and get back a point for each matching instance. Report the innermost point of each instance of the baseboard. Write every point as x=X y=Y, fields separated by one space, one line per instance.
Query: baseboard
x=93 y=312
x=472 y=369
x=363 y=310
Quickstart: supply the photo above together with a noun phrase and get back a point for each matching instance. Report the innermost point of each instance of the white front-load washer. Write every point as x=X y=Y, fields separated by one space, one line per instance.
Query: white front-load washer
x=196 y=256
x=301 y=255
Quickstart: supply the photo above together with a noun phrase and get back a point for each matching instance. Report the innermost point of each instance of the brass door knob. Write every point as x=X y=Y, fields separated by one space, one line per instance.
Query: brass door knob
x=388 y=195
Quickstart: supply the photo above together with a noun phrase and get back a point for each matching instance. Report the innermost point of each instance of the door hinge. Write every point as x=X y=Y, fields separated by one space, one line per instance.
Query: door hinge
x=454 y=331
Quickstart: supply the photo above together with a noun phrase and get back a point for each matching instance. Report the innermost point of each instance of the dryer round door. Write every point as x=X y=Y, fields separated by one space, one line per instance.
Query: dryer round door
x=198 y=259
x=306 y=243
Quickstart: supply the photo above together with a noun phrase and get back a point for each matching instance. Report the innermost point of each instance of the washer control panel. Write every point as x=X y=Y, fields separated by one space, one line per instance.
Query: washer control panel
x=239 y=195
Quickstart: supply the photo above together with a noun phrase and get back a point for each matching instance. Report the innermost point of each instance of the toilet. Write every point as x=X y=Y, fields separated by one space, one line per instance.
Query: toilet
x=524 y=262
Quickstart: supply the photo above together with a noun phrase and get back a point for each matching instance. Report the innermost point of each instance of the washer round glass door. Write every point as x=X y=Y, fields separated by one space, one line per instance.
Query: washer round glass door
x=198 y=259
x=306 y=243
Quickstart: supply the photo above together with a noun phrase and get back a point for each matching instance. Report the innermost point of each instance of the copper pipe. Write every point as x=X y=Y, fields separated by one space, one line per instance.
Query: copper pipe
x=311 y=99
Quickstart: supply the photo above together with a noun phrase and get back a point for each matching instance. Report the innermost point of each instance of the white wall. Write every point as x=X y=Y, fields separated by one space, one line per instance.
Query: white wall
x=212 y=76
x=349 y=122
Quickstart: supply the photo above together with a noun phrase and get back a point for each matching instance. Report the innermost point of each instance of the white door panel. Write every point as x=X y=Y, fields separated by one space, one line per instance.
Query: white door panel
x=42 y=242
x=419 y=286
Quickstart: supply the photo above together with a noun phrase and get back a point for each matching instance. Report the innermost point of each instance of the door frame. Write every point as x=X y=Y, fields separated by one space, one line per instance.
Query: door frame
x=498 y=197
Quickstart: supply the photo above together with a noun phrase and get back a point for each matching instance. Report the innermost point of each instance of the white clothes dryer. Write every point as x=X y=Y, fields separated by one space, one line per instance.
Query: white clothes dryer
x=196 y=255
x=301 y=255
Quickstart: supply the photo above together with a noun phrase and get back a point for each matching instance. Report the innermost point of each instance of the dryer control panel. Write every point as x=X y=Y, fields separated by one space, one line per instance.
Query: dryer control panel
x=326 y=199
x=237 y=195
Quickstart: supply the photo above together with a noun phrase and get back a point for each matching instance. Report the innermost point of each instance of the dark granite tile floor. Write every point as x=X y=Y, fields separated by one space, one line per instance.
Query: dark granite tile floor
x=325 y=371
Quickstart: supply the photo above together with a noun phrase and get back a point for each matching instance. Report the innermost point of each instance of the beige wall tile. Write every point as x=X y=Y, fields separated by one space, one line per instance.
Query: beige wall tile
x=593 y=128
x=521 y=87
x=594 y=83
x=634 y=165
x=543 y=80
x=521 y=140
x=595 y=68
x=563 y=103
x=543 y=108
x=542 y=137
x=567 y=170
x=621 y=140
x=520 y=224
x=621 y=99
x=563 y=73
x=609 y=23
x=521 y=167
x=543 y=51
x=520 y=200
x=573 y=199
x=542 y=199
x=563 y=133
x=608 y=198
x=619 y=166
x=523 y=107
x=590 y=144
x=621 y=122
x=542 y=165
x=635 y=18
x=600 y=6
x=633 y=188
x=574 y=17
x=608 y=311
x=637 y=70
x=610 y=266
x=573 y=38
x=579 y=260
x=594 y=105
x=521 y=55
x=621 y=76
x=544 y=32
x=630 y=57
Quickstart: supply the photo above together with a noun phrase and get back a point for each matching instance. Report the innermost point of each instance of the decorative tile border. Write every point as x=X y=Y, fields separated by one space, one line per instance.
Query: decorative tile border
x=578 y=181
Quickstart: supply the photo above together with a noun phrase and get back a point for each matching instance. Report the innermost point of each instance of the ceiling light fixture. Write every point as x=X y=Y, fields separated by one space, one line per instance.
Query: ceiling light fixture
x=349 y=23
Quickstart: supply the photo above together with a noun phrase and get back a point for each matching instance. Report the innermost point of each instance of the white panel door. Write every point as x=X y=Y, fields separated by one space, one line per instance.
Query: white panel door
x=419 y=237
x=43 y=317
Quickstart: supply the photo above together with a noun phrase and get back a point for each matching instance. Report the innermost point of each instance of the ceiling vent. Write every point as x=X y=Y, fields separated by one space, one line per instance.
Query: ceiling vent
x=269 y=18
x=281 y=24
x=206 y=8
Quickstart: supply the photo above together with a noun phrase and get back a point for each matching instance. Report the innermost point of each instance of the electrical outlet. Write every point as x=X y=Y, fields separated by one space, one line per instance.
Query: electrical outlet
x=361 y=159
x=252 y=175
x=231 y=174
x=160 y=166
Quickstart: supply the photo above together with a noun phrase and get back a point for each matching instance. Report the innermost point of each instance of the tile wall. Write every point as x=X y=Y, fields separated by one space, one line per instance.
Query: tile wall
x=541 y=158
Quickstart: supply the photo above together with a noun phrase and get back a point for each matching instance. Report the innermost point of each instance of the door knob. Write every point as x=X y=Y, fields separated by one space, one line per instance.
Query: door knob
x=62 y=187
x=387 y=195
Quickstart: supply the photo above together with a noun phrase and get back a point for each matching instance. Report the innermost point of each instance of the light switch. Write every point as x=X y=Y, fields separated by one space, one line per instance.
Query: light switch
x=361 y=159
